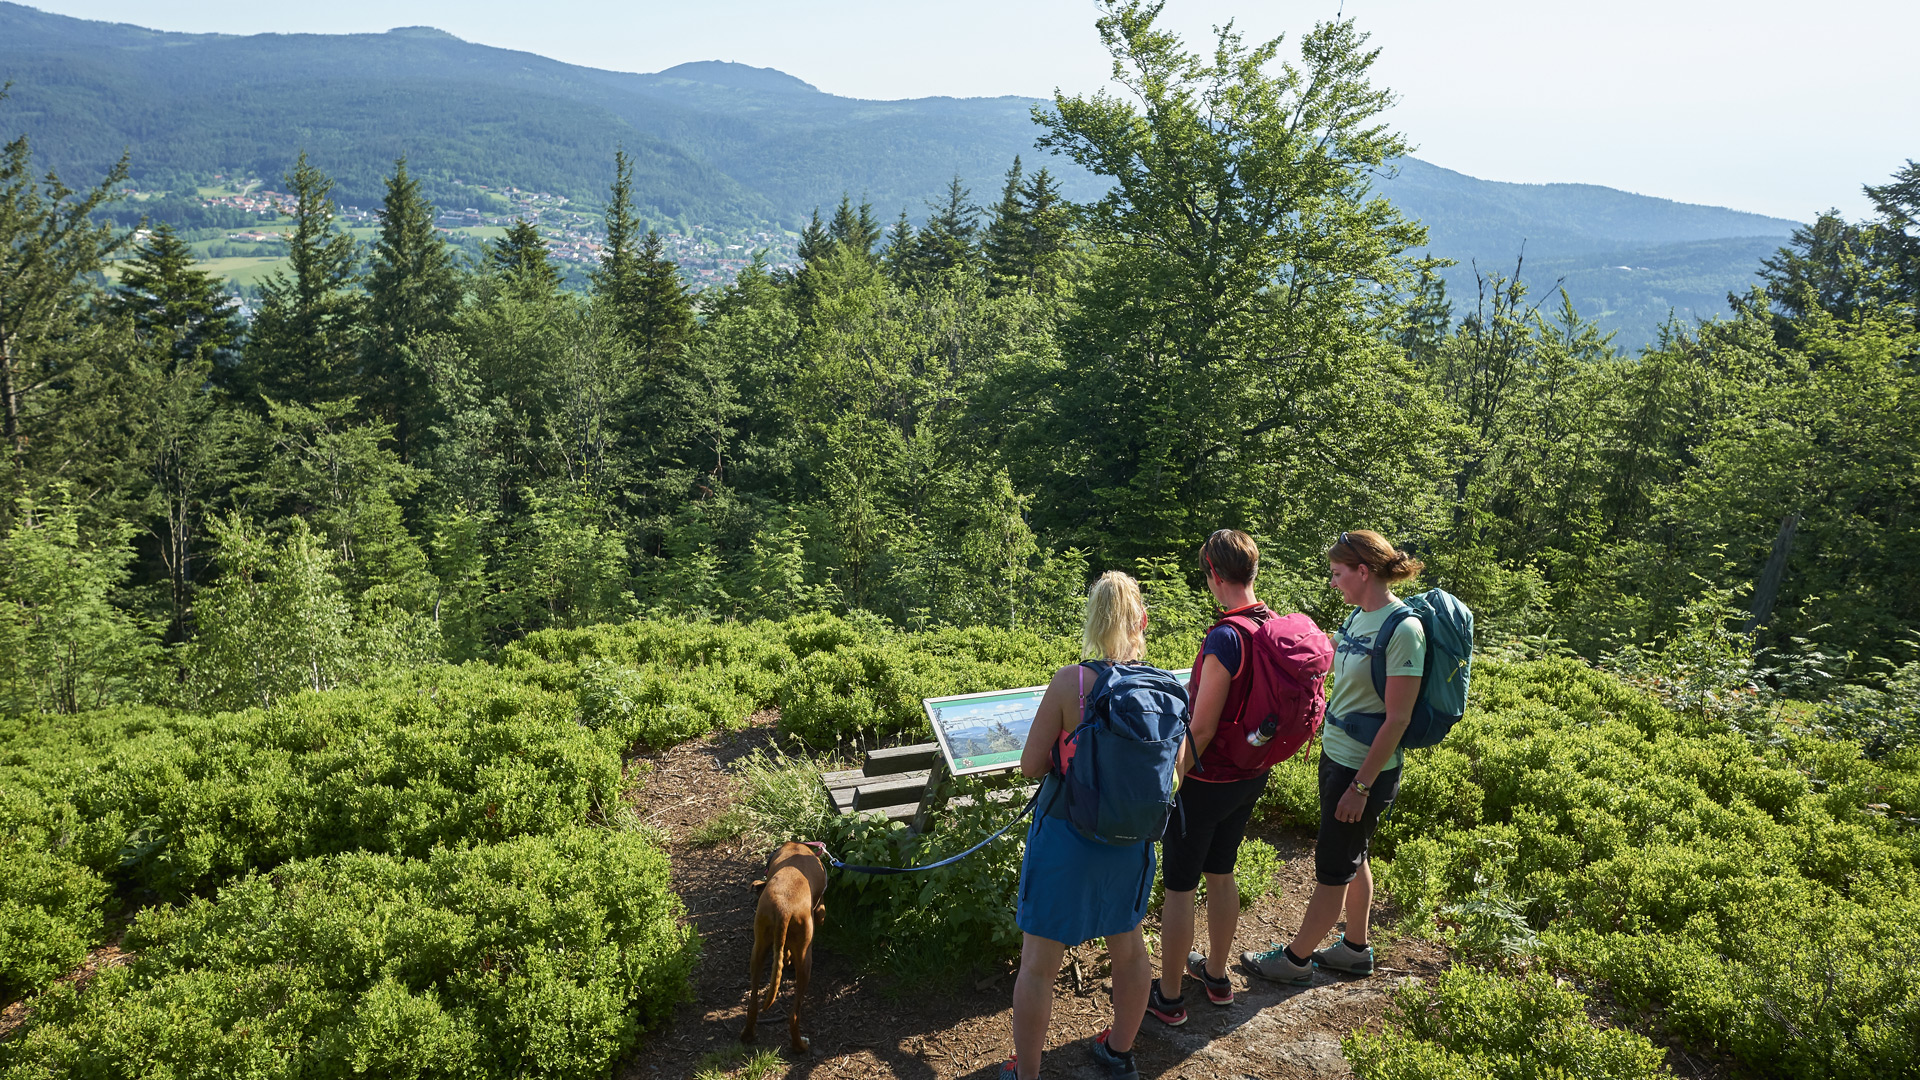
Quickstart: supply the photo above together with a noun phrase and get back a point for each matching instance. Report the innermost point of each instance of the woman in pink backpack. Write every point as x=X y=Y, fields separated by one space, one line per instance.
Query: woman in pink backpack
x=1257 y=698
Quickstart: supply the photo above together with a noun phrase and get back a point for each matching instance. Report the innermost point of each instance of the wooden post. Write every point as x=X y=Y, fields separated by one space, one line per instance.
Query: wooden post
x=934 y=799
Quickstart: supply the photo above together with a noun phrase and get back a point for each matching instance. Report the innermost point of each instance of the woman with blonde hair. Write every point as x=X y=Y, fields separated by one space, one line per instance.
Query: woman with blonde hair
x=1358 y=780
x=1073 y=889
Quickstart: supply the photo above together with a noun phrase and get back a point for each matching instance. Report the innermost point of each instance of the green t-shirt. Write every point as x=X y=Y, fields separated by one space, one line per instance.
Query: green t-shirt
x=1353 y=677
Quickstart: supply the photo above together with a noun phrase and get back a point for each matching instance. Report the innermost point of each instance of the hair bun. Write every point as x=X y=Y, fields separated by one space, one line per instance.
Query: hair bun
x=1404 y=567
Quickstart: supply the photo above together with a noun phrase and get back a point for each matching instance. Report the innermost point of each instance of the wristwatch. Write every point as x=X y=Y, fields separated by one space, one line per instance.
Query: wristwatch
x=1363 y=789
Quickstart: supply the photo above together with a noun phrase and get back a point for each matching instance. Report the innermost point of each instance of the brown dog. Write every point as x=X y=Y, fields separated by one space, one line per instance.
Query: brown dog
x=791 y=905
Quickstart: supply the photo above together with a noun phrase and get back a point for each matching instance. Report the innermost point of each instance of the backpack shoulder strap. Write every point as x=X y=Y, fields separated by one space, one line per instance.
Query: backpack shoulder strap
x=1378 y=654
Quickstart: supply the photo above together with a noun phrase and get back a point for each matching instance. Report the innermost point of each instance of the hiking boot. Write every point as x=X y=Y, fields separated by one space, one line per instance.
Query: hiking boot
x=1274 y=964
x=1171 y=1013
x=1118 y=1065
x=1219 y=991
x=1341 y=956
x=1010 y=1071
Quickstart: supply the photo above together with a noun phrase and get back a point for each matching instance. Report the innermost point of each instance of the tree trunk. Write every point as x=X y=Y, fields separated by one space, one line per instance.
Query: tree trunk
x=7 y=391
x=1767 y=589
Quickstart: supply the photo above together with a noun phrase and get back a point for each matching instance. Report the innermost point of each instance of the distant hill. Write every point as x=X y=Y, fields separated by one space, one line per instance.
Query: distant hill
x=1628 y=261
x=721 y=143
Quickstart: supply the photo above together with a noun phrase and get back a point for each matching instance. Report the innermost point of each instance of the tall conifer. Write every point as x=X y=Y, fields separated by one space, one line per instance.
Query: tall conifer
x=50 y=251
x=898 y=255
x=858 y=230
x=188 y=447
x=411 y=290
x=814 y=240
x=1006 y=246
x=182 y=313
x=1049 y=225
x=303 y=342
x=521 y=257
x=660 y=321
x=616 y=282
x=947 y=241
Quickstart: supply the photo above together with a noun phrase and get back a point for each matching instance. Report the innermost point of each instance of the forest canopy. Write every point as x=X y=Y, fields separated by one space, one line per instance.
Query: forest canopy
x=400 y=456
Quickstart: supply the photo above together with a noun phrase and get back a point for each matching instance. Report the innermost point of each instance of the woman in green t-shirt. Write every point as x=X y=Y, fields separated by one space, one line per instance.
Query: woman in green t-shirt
x=1358 y=780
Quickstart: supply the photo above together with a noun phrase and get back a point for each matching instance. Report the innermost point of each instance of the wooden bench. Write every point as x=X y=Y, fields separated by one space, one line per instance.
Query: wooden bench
x=905 y=783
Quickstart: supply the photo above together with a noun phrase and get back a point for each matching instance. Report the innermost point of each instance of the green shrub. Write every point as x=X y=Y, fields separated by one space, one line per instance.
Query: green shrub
x=539 y=956
x=865 y=694
x=49 y=916
x=1254 y=869
x=871 y=693
x=952 y=919
x=1737 y=889
x=176 y=803
x=655 y=683
x=762 y=646
x=657 y=708
x=1476 y=1026
x=1292 y=797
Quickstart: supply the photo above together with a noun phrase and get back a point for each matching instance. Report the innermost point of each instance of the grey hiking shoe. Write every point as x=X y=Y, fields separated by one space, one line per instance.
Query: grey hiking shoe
x=1219 y=991
x=1117 y=1065
x=1273 y=964
x=1341 y=956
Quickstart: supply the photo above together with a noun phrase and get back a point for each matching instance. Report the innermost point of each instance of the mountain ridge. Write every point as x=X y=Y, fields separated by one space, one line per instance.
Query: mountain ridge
x=712 y=141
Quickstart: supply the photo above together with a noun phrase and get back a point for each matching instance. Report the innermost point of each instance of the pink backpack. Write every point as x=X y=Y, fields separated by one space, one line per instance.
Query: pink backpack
x=1279 y=701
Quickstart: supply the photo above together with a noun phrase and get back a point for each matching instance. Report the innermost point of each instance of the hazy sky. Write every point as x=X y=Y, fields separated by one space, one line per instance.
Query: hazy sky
x=1776 y=106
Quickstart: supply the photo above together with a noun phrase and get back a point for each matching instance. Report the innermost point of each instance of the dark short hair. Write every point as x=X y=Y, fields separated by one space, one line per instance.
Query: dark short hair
x=1232 y=555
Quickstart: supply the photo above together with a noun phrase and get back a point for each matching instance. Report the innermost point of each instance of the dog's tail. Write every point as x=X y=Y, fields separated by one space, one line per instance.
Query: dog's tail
x=779 y=956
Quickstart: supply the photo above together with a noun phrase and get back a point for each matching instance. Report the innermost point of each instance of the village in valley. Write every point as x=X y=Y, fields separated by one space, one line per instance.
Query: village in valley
x=707 y=255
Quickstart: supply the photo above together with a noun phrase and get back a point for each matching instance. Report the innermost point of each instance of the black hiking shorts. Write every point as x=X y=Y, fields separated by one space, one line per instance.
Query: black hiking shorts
x=1342 y=845
x=1203 y=836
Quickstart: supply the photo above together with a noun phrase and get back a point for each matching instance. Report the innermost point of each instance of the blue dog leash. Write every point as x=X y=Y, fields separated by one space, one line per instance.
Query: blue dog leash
x=839 y=865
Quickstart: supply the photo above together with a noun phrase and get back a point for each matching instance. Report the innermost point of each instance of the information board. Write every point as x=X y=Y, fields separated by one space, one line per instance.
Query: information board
x=985 y=732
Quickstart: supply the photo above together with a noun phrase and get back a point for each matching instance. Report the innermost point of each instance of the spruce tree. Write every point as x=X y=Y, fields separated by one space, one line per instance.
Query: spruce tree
x=51 y=249
x=815 y=241
x=1049 y=222
x=521 y=258
x=660 y=321
x=412 y=290
x=1006 y=244
x=187 y=450
x=867 y=230
x=856 y=230
x=185 y=314
x=303 y=345
x=947 y=241
x=899 y=252
x=616 y=282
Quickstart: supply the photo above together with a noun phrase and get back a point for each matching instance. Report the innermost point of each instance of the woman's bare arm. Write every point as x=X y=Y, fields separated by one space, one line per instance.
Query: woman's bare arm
x=1209 y=703
x=1049 y=720
x=1402 y=692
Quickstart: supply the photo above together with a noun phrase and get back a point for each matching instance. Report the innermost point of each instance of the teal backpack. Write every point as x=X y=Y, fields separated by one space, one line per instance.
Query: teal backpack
x=1443 y=681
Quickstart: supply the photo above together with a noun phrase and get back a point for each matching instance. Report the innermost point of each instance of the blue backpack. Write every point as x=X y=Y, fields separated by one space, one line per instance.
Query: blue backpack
x=1443 y=679
x=1116 y=772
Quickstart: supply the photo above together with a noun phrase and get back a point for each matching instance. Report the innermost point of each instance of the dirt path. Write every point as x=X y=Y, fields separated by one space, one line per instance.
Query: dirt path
x=863 y=1027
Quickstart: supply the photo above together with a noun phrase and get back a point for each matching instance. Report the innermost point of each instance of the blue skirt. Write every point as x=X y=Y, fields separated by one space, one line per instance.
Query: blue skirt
x=1073 y=889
